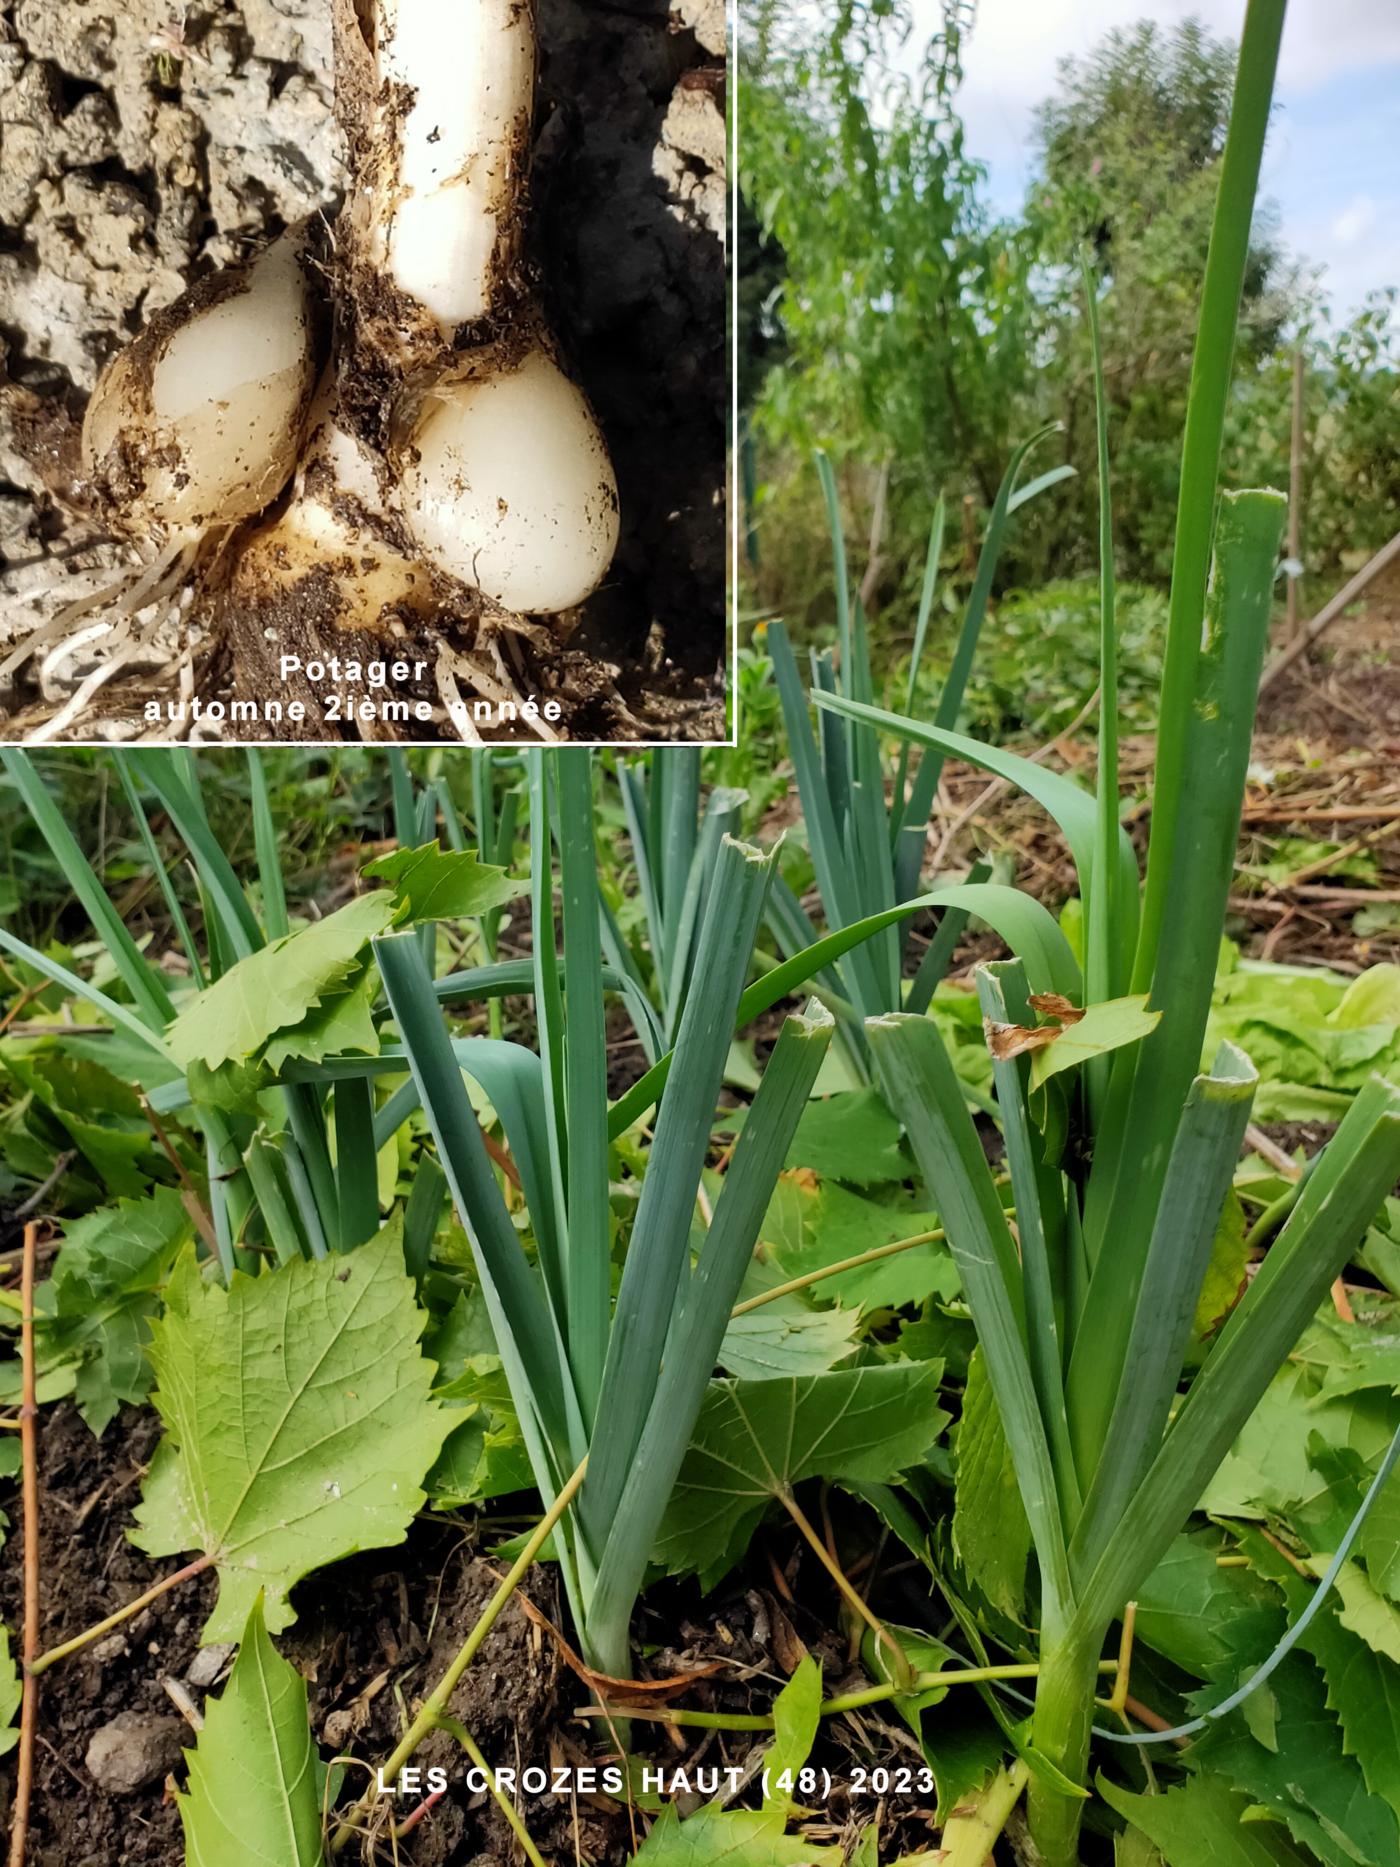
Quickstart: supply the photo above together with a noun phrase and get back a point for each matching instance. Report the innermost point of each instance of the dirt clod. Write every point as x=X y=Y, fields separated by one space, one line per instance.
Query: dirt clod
x=135 y=1749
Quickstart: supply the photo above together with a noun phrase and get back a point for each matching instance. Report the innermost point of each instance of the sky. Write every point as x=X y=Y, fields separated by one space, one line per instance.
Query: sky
x=1332 y=164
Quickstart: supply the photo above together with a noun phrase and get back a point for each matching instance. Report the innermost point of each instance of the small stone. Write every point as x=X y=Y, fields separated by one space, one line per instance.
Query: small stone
x=135 y=1749
x=207 y=1664
x=112 y=1648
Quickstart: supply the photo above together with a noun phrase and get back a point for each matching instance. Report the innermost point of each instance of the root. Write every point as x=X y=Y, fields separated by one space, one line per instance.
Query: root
x=495 y=683
x=145 y=588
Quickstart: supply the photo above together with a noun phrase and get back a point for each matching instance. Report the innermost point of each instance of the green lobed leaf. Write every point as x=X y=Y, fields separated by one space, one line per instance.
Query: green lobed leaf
x=786 y=1336
x=342 y=1022
x=110 y=1268
x=252 y=1799
x=433 y=884
x=1363 y=1691
x=299 y=1422
x=1187 y=1605
x=716 y=1837
x=809 y=1226
x=1202 y=1823
x=1294 y=1764
x=850 y=1136
x=277 y=986
x=754 y=1440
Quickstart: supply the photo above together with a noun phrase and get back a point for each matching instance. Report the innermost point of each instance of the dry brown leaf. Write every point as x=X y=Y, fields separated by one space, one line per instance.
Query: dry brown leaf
x=1056 y=1005
x=1017 y=1040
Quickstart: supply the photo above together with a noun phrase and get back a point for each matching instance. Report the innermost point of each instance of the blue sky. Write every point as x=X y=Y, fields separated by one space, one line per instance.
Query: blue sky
x=1333 y=161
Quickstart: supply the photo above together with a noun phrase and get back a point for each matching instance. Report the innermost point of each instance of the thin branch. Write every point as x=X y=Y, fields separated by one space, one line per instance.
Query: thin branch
x=29 y=1452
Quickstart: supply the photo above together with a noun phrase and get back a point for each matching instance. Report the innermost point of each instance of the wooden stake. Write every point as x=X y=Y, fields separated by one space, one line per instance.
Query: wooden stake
x=1295 y=494
x=1329 y=613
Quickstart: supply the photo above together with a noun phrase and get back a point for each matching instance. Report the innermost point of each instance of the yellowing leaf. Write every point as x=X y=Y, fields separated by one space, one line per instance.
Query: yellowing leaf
x=1103 y=1027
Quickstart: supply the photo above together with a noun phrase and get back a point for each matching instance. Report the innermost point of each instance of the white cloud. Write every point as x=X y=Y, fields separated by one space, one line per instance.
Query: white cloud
x=1321 y=162
x=1355 y=221
x=1016 y=45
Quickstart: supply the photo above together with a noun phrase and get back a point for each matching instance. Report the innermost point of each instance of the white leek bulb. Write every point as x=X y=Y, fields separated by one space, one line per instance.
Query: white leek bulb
x=508 y=487
x=453 y=104
x=197 y=424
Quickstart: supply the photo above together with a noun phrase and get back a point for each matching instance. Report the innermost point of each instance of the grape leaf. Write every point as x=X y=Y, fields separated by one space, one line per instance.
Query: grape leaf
x=1188 y=1605
x=1225 y=1279
x=342 y=1022
x=299 y=1422
x=253 y=1799
x=485 y=1453
x=754 y=1440
x=276 y=987
x=716 y=1837
x=786 y=1336
x=1201 y=1823
x=105 y=1283
x=1103 y=1027
x=990 y=1531
x=433 y=884
x=1363 y=1688
x=11 y=1692
x=851 y=1136
x=1302 y=1775
x=810 y=1226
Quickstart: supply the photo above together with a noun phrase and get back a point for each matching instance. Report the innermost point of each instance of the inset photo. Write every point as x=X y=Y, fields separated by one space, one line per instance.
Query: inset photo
x=363 y=371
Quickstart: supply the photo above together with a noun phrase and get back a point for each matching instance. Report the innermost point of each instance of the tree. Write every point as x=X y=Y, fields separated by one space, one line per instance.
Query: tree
x=1129 y=149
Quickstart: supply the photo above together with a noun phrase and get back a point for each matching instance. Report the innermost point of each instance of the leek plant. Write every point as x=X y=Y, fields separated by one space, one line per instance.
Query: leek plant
x=675 y=843
x=1120 y=1147
x=613 y=1378
x=867 y=853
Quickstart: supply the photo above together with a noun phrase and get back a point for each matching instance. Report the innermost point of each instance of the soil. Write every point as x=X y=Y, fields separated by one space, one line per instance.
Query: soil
x=372 y=1635
x=147 y=143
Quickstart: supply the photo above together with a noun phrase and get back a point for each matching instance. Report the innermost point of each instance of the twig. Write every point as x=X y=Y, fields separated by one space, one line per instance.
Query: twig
x=189 y=1194
x=1281 y=1162
x=457 y=1729
x=89 y=1634
x=26 y=997
x=29 y=1453
x=832 y=1707
x=834 y=1270
x=849 y=1593
x=1118 y=1698
x=37 y=1198
x=435 y=1705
